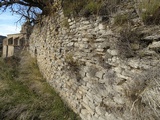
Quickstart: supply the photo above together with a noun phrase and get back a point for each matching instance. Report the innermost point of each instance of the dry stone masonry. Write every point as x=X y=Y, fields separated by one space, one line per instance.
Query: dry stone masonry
x=81 y=59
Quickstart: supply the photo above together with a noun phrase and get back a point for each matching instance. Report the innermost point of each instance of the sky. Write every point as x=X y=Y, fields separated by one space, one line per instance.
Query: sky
x=8 y=23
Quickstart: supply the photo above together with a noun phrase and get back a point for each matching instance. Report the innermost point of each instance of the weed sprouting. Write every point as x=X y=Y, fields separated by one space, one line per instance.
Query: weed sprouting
x=124 y=45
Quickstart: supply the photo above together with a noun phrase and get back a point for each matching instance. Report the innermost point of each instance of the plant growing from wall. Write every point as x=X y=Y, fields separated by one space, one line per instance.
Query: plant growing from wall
x=125 y=41
x=65 y=23
x=74 y=65
x=91 y=8
x=121 y=19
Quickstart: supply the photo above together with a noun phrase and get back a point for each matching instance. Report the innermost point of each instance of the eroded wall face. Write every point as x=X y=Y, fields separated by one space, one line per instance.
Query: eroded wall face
x=81 y=60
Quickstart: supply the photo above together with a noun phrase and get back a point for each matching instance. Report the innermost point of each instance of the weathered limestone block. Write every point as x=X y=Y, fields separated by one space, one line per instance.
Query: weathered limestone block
x=102 y=118
x=83 y=89
x=155 y=45
x=112 y=52
x=83 y=46
x=85 y=39
x=152 y=37
x=134 y=63
x=86 y=27
x=110 y=117
x=73 y=26
x=86 y=22
x=86 y=100
x=100 y=74
x=117 y=70
x=100 y=110
x=100 y=40
x=83 y=114
x=95 y=117
x=97 y=98
x=101 y=26
x=89 y=110
x=91 y=105
x=99 y=50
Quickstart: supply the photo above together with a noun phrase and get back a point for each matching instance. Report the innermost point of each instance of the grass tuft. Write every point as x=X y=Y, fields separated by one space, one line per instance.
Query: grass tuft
x=150 y=11
x=144 y=94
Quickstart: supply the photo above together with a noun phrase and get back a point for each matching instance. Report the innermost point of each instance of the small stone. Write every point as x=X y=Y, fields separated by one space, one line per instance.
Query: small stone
x=100 y=40
x=134 y=63
x=112 y=52
x=101 y=27
x=99 y=74
x=155 y=45
x=152 y=37
x=85 y=39
x=117 y=69
x=69 y=20
x=85 y=22
x=100 y=110
x=100 y=50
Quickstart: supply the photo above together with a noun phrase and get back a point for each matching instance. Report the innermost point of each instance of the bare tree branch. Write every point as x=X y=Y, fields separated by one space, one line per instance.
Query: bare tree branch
x=28 y=9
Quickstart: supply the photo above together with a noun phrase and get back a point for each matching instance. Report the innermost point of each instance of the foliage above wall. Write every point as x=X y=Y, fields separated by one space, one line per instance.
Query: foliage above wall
x=89 y=7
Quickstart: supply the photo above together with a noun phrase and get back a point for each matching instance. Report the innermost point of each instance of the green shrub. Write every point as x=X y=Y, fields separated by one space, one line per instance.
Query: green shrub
x=89 y=7
x=150 y=11
x=121 y=19
x=74 y=66
x=72 y=7
x=92 y=8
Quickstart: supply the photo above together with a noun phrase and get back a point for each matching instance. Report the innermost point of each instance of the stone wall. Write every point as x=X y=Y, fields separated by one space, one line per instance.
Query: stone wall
x=82 y=60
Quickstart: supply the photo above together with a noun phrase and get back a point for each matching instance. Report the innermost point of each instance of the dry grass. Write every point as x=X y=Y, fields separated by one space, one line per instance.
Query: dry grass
x=27 y=96
x=144 y=95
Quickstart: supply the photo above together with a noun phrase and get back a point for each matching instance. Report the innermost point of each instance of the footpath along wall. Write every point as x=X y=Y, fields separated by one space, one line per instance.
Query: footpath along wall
x=101 y=73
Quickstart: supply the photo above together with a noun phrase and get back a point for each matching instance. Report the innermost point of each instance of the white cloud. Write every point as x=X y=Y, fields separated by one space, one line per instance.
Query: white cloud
x=8 y=23
x=8 y=29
